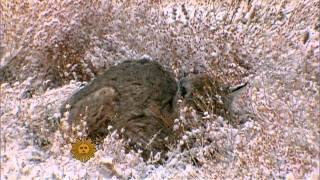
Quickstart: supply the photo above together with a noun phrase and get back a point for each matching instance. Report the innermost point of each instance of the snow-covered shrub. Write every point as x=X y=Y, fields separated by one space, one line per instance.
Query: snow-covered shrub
x=273 y=44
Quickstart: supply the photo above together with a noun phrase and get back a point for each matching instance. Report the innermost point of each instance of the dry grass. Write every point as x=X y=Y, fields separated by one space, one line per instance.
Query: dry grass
x=274 y=45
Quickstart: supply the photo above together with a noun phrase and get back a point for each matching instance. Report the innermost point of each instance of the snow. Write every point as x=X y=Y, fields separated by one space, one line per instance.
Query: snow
x=278 y=139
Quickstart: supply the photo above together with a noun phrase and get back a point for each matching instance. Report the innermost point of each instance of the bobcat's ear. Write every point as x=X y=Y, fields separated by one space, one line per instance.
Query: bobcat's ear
x=234 y=93
x=238 y=89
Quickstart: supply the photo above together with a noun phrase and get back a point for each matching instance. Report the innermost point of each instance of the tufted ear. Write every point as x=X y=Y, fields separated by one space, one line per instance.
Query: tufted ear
x=235 y=91
x=238 y=88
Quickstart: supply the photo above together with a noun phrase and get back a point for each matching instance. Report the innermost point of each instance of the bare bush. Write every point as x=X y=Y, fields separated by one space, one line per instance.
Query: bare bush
x=274 y=45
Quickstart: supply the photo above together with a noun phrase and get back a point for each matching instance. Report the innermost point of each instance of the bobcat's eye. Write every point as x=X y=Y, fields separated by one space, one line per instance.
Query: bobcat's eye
x=183 y=91
x=183 y=88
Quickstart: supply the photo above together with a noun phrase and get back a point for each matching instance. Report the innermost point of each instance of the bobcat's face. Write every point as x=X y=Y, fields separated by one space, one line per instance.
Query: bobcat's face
x=202 y=91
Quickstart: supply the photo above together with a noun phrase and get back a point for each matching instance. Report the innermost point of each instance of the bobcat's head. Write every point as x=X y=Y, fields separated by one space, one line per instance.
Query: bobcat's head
x=203 y=92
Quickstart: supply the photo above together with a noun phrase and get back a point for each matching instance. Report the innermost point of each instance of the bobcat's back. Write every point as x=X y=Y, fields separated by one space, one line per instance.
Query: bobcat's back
x=138 y=96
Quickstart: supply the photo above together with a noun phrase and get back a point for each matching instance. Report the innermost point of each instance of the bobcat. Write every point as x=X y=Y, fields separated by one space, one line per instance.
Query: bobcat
x=139 y=96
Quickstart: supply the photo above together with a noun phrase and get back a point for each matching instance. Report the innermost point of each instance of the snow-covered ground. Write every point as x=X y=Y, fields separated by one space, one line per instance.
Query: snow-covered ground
x=274 y=45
